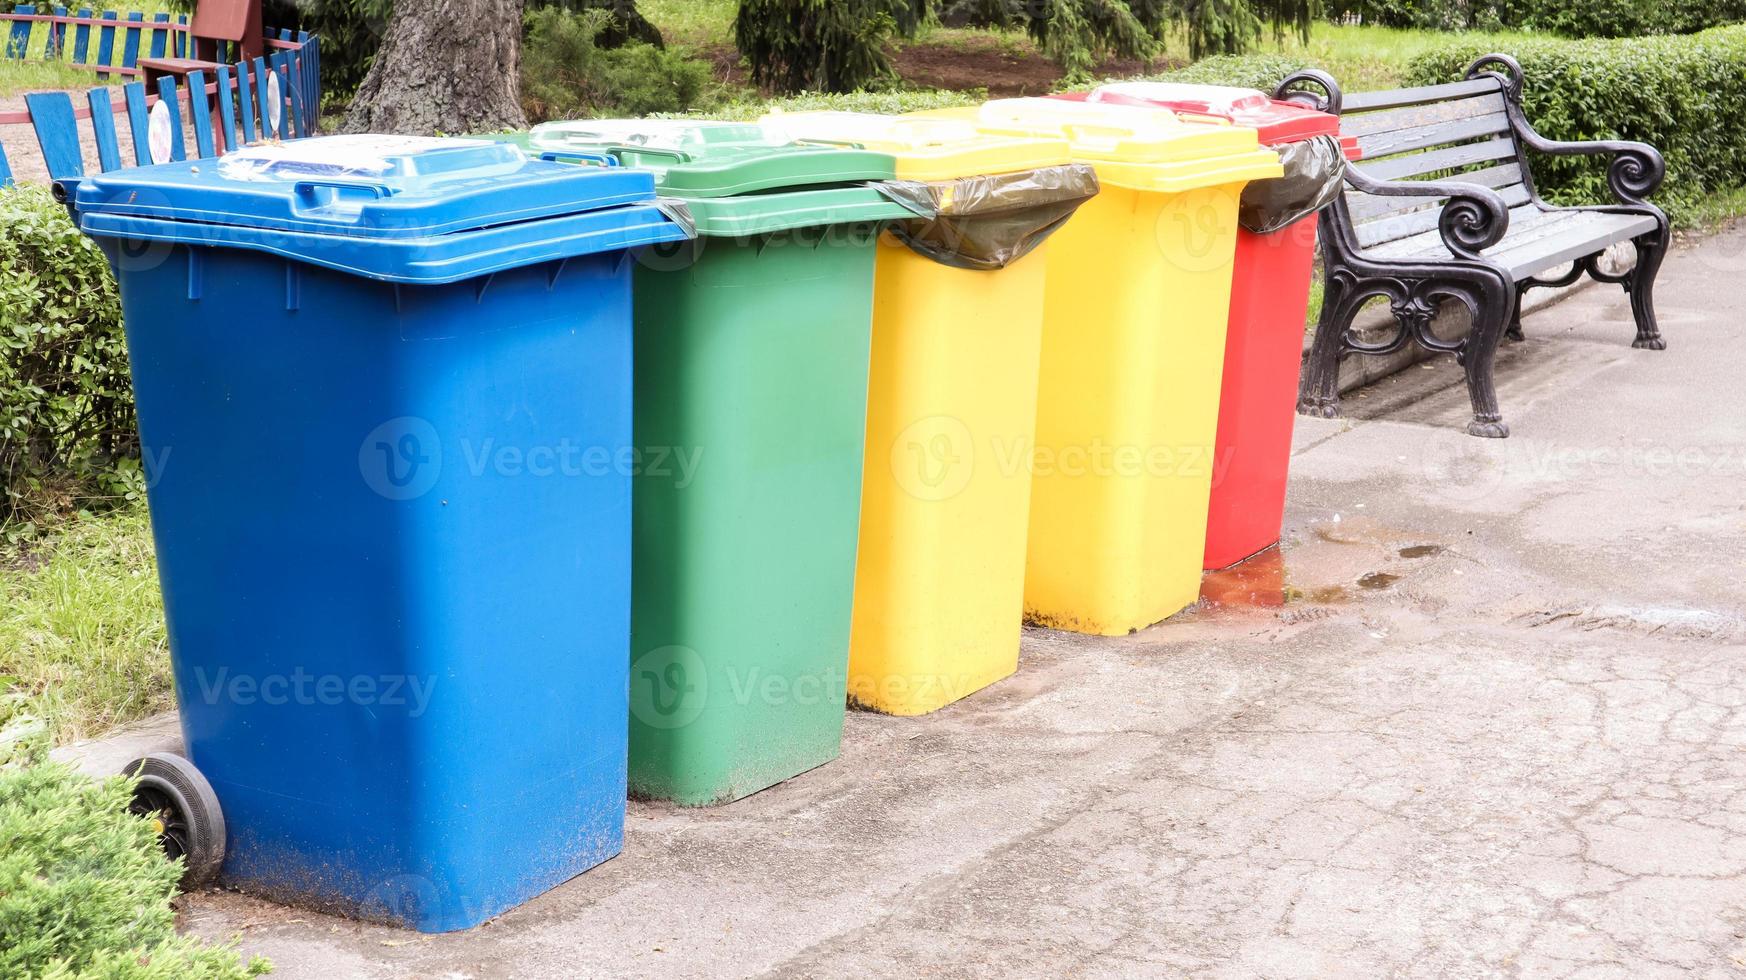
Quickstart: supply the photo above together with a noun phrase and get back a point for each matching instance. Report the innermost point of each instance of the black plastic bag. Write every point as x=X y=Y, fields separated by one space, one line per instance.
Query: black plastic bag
x=1313 y=171
x=991 y=221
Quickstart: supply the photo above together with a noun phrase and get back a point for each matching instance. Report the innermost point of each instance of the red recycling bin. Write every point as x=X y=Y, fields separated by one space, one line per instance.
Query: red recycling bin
x=1264 y=344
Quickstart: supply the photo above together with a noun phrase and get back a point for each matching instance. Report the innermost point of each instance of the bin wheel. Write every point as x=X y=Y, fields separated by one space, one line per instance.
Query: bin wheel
x=190 y=824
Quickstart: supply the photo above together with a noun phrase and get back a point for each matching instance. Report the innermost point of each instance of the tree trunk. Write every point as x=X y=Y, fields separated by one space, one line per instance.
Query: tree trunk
x=448 y=66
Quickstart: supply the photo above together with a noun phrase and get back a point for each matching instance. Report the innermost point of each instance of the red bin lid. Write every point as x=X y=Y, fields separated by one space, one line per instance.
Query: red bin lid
x=1274 y=121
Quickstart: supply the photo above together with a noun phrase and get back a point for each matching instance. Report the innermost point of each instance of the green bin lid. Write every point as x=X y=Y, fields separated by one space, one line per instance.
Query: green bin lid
x=730 y=174
x=712 y=159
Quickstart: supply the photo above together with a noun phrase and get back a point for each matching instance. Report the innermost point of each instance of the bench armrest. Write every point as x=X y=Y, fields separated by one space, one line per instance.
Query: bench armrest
x=1637 y=168
x=1474 y=218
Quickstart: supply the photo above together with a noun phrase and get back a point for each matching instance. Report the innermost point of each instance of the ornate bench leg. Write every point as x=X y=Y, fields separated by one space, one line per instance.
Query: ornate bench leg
x=1514 y=330
x=1492 y=317
x=1318 y=394
x=1640 y=284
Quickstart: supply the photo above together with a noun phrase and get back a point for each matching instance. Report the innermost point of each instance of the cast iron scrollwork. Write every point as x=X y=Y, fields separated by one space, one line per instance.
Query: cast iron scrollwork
x=1473 y=219
x=1637 y=168
x=1302 y=88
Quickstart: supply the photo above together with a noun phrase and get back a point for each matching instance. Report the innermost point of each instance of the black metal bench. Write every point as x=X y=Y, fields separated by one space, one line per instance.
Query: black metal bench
x=1443 y=209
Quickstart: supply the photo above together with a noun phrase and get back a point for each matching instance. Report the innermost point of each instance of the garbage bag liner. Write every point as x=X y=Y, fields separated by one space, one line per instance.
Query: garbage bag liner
x=1313 y=170
x=993 y=220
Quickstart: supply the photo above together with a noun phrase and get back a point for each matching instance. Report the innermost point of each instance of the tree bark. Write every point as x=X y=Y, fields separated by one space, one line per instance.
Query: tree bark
x=445 y=66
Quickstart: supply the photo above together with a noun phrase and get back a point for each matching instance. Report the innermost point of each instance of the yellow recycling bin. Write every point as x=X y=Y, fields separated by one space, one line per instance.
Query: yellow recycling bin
x=957 y=336
x=1139 y=284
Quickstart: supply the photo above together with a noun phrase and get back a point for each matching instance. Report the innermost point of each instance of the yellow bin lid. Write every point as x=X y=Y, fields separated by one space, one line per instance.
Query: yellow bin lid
x=926 y=148
x=1137 y=147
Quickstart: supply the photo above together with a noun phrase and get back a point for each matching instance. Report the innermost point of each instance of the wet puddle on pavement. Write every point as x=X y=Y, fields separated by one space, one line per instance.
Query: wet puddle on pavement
x=1267 y=581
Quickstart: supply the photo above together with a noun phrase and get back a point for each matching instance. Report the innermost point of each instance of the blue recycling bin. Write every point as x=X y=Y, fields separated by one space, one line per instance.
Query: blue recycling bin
x=384 y=391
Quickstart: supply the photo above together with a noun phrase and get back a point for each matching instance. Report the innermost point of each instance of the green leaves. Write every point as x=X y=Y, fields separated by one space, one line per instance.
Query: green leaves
x=1679 y=93
x=567 y=72
x=839 y=45
x=84 y=890
x=822 y=45
x=66 y=402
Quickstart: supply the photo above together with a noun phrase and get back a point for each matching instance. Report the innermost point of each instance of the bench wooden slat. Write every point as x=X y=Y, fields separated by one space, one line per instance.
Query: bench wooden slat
x=1433 y=135
x=1369 y=207
x=1411 y=117
x=1546 y=242
x=1393 y=98
x=1449 y=158
x=1410 y=223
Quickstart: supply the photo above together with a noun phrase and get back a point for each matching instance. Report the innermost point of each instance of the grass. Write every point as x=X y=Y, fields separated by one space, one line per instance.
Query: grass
x=33 y=74
x=1714 y=210
x=82 y=639
x=1364 y=58
x=695 y=22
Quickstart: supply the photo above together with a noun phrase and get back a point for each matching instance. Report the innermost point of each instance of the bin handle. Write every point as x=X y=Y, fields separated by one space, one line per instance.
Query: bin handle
x=815 y=141
x=677 y=156
x=598 y=159
x=306 y=188
x=304 y=198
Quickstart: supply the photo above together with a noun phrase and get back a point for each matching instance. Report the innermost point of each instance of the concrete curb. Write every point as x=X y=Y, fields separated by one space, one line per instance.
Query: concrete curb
x=104 y=756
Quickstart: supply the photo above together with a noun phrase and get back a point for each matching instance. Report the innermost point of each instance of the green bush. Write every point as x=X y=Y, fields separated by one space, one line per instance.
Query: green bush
x=822 y=45
x=84 y=890
x=67 y=436
x=566 y=73
x=1680 y=94
x=1589 y=18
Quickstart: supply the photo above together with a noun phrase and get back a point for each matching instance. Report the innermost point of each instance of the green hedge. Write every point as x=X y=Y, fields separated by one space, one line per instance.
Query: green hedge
x=1681 y=94
x=1570 y=18
x=67 y=436
x=1678 y=93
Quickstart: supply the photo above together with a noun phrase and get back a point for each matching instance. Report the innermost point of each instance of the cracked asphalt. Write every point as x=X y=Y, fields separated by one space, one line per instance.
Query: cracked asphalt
x=1481 y=716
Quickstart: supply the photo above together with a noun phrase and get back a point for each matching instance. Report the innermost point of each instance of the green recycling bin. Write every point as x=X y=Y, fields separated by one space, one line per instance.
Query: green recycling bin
x=750 y=410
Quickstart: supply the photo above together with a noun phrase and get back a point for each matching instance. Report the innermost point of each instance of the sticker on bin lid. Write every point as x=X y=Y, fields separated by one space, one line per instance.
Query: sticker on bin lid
x=697 y=159
x=925 y=148
x=1276 y=121
x=364 y=186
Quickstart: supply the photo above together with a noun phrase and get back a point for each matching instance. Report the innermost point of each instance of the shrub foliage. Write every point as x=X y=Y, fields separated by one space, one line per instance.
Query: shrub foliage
x=568 y=71
x=67 y=435
x=1588 y=18
x=1679 y=93
x=84 y=890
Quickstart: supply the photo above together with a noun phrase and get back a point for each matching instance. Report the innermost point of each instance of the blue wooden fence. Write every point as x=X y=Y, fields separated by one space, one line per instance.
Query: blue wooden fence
x=235 y=105
x=162 y=36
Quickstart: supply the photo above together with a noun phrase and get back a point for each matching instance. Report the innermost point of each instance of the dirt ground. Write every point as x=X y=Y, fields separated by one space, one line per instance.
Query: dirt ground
x=1004 y=70
x=25 y=157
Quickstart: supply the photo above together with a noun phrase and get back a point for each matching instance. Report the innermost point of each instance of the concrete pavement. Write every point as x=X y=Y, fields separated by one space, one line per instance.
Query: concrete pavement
x=1482 y=716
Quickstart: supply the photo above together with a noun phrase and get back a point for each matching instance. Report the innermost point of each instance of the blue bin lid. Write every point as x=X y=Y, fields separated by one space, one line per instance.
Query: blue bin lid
x=398 y=208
